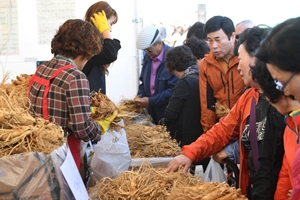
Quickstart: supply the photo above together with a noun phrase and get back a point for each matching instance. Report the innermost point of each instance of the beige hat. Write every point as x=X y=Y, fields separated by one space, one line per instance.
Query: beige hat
x=147 y=37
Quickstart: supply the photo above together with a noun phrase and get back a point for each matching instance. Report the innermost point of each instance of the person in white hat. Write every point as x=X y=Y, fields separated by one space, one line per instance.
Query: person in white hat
x=156 y=84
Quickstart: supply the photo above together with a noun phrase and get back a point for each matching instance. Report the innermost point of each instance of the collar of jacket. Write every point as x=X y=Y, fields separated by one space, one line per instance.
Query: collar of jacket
x=211 y=59
x=292 y=120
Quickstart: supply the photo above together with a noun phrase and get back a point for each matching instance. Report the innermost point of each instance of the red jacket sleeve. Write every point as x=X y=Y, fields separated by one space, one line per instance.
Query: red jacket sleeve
x=284 y=182
x=225 y=131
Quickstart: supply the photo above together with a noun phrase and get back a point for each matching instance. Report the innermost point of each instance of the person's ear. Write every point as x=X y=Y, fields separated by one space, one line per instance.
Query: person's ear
x=233 y=36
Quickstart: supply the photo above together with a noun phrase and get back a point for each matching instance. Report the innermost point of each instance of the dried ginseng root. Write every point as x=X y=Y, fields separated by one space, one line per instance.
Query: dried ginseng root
x=144 y=183
x=150 y=141
x=21 y=132
x=11 y=113
x=221 y=110
x=148 y=183
x=44 y=137
x=104 y=108
x=206 y=191
x=129 y=110
x=130 y=106
x=18 y=89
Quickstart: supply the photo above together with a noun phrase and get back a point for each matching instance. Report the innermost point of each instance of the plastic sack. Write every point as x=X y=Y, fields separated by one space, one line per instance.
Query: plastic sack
x=214 y=172
x=143 y=119
x=28 y=176
x=58 y=157
x=111 y=154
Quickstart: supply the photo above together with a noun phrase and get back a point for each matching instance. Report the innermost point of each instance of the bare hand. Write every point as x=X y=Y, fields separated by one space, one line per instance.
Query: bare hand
x=289 y=194
x=177 y=162
x=220 y=156
x=142 y=102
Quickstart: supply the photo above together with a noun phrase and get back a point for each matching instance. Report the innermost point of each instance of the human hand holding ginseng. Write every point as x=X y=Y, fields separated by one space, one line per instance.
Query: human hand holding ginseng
x=142 y=102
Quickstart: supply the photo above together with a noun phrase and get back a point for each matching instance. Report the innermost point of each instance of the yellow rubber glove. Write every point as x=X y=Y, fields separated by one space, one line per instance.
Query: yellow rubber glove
x=106 y=122
x=100 y=21
x=93 y=109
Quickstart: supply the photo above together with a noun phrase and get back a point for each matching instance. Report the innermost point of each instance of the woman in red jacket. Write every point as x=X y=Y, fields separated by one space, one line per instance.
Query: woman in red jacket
x=285 y=184
x=291 y=109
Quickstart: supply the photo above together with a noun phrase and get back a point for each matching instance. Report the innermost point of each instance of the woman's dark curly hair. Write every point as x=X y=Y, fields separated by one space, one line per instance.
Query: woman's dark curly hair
x=180 y=58
x=251 y=38
x=198 y=47
x=77 y=38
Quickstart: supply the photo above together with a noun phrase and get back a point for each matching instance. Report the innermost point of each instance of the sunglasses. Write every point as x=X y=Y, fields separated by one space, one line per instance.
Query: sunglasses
x=280 y=86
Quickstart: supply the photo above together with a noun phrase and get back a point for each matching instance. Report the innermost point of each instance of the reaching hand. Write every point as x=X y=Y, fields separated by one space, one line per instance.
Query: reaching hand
x=177 y=162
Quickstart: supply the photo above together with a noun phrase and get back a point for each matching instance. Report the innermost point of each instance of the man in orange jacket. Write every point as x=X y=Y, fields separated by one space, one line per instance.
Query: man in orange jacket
x=219 y=79
x=231 y=151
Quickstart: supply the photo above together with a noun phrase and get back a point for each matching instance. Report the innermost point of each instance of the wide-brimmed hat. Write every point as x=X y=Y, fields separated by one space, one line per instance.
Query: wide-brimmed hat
x=147 y=37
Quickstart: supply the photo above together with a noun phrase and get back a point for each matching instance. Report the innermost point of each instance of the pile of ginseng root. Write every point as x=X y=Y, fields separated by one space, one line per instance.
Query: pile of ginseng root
x=150 y=141
x=148 y=183
x=145 y=139
x=19 y=131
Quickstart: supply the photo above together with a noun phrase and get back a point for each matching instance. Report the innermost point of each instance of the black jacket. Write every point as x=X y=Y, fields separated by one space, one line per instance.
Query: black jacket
x=270 y=157
x=182 y=116
x=183 y=111
x=109 y=54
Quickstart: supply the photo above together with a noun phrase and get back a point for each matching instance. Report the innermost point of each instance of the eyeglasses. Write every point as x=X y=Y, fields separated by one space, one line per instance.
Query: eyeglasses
x=280 y=86
x=148 y=50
